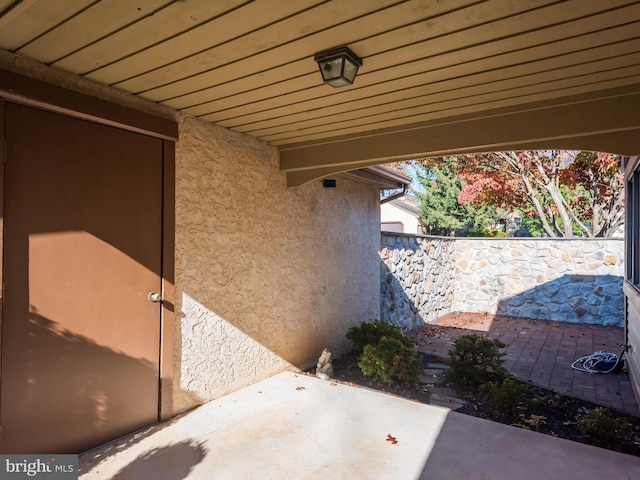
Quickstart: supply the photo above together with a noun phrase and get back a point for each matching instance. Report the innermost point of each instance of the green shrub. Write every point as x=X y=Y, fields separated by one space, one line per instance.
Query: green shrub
x=390 y=360
x=370 y=333
x=474 y=361
x=507 y=395
x=385 y=354
x=604 y=429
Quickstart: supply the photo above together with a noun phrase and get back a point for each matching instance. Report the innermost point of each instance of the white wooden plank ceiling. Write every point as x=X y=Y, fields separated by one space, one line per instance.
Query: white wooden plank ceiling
x=248 y=65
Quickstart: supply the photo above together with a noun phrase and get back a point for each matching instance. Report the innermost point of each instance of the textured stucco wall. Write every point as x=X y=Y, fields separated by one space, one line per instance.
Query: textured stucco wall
x=266 y=276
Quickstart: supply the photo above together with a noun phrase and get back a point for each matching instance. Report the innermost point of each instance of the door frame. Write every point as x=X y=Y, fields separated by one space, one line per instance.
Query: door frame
x=23 y=90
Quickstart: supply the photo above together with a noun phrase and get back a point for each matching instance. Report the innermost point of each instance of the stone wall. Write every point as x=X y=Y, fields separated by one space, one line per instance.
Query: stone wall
x=553 y=279
x=417 y=278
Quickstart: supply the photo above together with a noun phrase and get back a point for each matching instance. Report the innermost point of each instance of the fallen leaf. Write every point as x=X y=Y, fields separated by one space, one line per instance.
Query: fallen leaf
x=535 y=420
x=300 y=388
x=392 y=439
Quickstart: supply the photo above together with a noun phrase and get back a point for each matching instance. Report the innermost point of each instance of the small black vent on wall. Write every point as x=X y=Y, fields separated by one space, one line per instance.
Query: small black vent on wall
x=326 y=183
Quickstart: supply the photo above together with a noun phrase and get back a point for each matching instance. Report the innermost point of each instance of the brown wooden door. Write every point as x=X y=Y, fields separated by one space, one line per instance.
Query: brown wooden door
x=82 y=250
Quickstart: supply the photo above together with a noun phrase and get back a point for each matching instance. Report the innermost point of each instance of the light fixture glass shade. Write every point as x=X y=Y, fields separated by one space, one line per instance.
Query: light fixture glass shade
x=338 y=67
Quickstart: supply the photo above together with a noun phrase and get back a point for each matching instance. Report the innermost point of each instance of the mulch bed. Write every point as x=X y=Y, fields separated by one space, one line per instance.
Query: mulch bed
x=546 y=412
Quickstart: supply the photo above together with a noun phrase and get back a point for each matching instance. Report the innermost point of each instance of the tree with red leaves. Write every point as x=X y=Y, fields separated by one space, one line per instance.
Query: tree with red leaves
x=440 y=210
x=570 y=193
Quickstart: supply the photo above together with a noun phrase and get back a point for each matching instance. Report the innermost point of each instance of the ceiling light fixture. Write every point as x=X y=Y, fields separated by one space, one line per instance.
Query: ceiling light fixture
x=338 y=66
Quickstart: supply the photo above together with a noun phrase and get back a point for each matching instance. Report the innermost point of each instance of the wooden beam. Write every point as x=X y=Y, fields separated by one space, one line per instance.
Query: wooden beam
x=609 y=122
x=28 y=91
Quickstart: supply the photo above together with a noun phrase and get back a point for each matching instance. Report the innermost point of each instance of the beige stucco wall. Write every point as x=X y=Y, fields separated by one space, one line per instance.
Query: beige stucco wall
x=266 y=276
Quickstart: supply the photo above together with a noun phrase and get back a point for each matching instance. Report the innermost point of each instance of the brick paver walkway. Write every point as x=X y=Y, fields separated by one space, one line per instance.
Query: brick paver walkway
x=541 y=353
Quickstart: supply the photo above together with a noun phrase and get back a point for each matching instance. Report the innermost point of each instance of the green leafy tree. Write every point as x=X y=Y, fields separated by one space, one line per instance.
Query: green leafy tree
x=440 y=209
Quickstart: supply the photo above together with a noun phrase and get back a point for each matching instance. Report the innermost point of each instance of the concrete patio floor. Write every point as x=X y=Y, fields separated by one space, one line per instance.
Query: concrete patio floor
x=293 y=426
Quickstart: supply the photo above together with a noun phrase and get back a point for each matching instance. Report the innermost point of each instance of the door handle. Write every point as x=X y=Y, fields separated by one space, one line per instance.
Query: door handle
x=154 y=297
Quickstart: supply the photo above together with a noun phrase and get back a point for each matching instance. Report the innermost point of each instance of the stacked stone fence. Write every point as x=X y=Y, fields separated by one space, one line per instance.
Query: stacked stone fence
x=565 y=280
